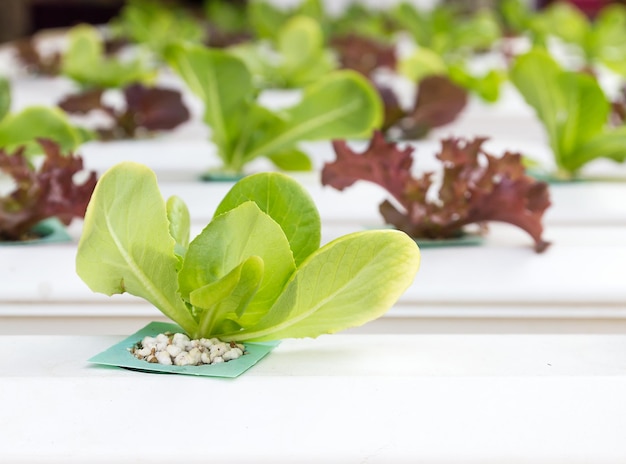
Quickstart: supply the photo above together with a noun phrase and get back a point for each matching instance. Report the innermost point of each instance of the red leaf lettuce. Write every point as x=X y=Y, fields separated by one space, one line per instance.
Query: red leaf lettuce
x=363 y=54
x=39 y=194
x=438 y=102
x=150 y=109
x=476 y=187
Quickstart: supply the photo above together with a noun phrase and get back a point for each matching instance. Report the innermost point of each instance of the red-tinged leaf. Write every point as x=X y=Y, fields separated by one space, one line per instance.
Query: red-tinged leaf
x=113 y=45
x=84 y=102
x=618 y=109
x=391 y=170
x=152 y=109
x=49 y=191
x=439 y=102
x=513 y=198
x=34 y=61
x=392 y=111
x=155 y=108
x=363 y=54
x=476 y=188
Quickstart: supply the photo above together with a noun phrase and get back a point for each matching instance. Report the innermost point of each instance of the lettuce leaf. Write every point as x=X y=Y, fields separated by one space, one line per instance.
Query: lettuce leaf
x=346 y=283
x=476 y=188
x=364 y=54
x=85 y=62
x=448 y=31
x=116 y=255
x=33 y=60
x=601 y=41
x=287 y=204
x=239 y=279
x=297 y=57
x=438 y=102
x=43 y=192
x=5 y=97
x=340 y=104
x=23 y=128
x=148 y=109
x=156 y=25
x=573 y=109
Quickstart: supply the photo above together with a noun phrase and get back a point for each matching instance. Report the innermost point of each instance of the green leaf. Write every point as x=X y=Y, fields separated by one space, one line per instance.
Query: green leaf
x=262 y=70
x=410 y=19
x=606 y=145
x=568 y=22
x=126 y=244
x=536 y=75
x=344 y=284
x=40 y=122
x=311 y=8
x=230 y=239
x=291 y=160
x=286 y=202
x=516 y=14
x=479 y=32
x=157 y=26
x=300 y=40
x=238 y=278
x=421 y=63
x=84 y=50
x=572 y=107
x=229 y=17
x=341 y=105
x=85 y=62
x=221 y=80
x=486 y=87
x=585 y=115
x=266 y=19
x=180 y=224
x=5 y=98
x=303 y=56
x=227 y=298
x=607 y=39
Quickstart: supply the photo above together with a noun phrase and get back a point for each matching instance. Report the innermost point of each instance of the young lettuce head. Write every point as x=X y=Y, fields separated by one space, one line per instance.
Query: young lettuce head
x=342 y=104
x=573 y=110
x=22 y=129
x=256 y=272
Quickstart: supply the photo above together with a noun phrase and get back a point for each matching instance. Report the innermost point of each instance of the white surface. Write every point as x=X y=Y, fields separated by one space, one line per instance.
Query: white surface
x=444 y=399
x=583 y=266
x=584 y=203
x=31 y=318
x=576 y=286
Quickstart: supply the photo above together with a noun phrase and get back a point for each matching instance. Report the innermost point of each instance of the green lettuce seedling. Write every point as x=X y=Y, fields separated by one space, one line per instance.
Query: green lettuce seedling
x=342 y=104
x=85 y=62
x=156 y=25
x=255 y=272
x=447 y=31
x=25 y=127
x=266 y=19
x=446 y=40
x=520 y=18
x=601 y=41
x=424 y=62
x=573 y=109
x=299 y=56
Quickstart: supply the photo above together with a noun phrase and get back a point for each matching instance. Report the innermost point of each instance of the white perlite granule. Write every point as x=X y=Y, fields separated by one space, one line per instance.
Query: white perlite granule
x=177 y=349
